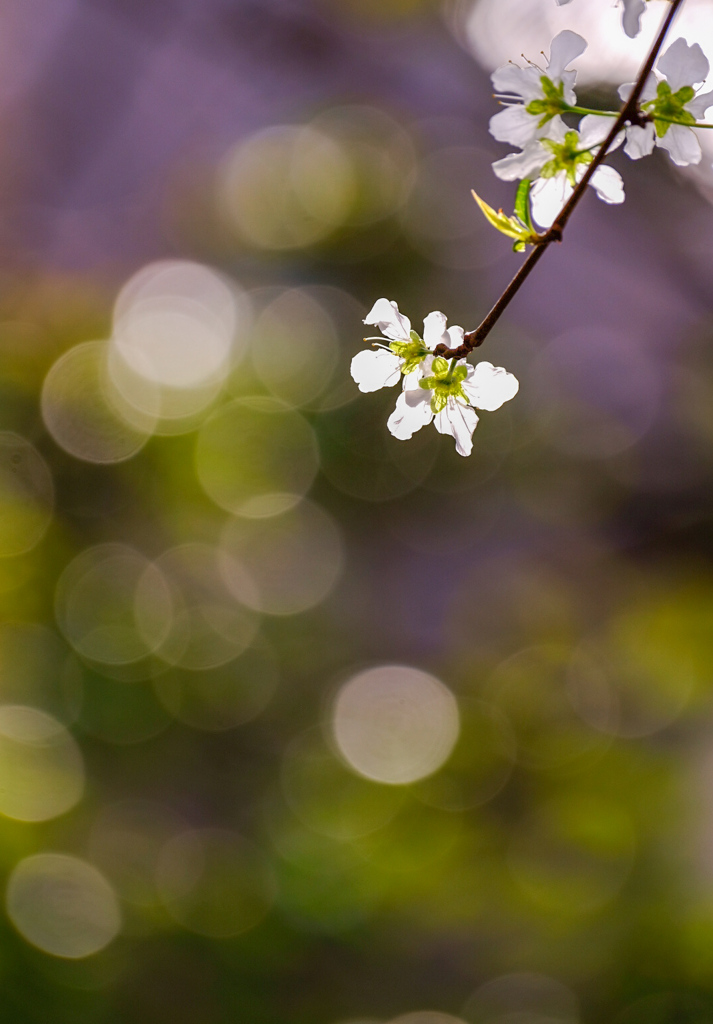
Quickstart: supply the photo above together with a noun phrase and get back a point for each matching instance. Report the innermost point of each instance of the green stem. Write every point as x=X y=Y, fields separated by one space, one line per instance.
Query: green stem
x=672 y=120
x=588 y=110
x=615 y=113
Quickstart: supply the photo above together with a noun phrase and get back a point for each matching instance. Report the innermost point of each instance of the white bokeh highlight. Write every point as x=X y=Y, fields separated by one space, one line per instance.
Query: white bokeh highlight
x=62 y=905
x=41 y=766
x=395 y=724
x=175 y=322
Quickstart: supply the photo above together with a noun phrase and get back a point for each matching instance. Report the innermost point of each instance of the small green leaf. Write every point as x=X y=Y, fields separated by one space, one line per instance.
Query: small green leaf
x=440 y=367
x=513 y=227
x=522 y=202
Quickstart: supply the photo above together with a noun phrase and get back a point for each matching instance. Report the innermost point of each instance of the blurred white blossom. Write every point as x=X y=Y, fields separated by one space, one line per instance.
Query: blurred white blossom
x=631 y=15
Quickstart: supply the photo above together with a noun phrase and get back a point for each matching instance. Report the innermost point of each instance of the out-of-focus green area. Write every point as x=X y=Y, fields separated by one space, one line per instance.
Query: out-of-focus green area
x=300 y=724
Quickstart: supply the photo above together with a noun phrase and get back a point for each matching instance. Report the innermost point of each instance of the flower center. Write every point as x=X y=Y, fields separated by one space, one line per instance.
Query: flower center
x=412 y=352
x=670 y=106
x=445 y=382
x=551 y=104
x=566 y=156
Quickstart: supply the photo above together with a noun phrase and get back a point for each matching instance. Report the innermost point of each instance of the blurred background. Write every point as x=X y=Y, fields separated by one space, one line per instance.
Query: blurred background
x=300 y=724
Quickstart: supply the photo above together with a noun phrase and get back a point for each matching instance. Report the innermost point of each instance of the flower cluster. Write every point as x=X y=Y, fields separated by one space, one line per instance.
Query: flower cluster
x=434 y=390
x=559 y=148
x=552 y=156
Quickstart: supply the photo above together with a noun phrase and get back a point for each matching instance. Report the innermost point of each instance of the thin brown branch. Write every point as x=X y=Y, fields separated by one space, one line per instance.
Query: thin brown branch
x=629 y=113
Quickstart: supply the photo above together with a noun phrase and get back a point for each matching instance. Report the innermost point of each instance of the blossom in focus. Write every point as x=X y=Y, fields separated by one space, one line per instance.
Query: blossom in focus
x=405 y=351
x=631 y=17
x=447 y=395
x=556 y=164
x=674 y=106
x=381 y=368
x=535 y=97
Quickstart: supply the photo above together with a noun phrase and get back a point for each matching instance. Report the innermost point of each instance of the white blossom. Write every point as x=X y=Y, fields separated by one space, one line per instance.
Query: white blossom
x=673 y=98
x=556 y=164
x=535 y=97
x=382 y=367
x=631 y=16
x=448 y=396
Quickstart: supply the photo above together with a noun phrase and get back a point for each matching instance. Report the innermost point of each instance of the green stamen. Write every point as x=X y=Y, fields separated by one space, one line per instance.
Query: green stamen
x=445 y=382
x=413 y=352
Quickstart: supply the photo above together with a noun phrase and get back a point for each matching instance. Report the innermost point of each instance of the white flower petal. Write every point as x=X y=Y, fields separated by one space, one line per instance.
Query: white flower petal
x=647 y=93
x=434 y=329
x=373 y=370
x=631 y=19
x=608 y=184
x=683 y=64
x=556 y=130
x=514 y=81
x=561 y=3
x=639 y=141
x=514 y=125
x=548 y=196
x=568 y=78
x=456 y=336
x=682 y=145
x=488 y=386
x=458 y=420
x=385 y=315
x=526 y=164
x=410 y=380
x=424 y=369
x=699 y=104
x=566 y=47
x=594 y=129
x=413 y=411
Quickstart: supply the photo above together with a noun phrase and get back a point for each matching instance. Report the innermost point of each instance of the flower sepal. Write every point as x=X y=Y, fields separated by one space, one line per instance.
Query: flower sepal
x=413 y=352
x=669 y=107
x=550 y=104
